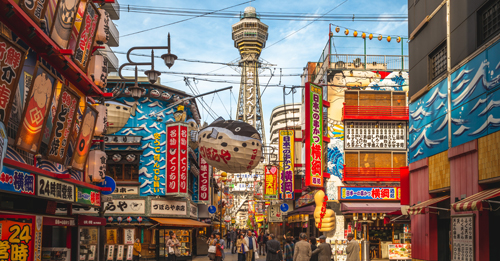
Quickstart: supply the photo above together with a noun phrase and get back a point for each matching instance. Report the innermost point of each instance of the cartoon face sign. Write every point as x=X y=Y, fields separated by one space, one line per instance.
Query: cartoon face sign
x=117 y=157
x=155 y=93
x=166 y=95
x=231 y=146
x=130 y=157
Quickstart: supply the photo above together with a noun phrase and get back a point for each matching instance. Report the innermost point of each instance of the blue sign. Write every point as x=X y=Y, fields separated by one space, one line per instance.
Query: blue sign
x=17 y=181
x=369 y=193
x=284 y=207
x=108 y=182
x=212 y=209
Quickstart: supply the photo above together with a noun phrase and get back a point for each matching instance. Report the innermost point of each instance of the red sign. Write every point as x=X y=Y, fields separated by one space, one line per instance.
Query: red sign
x=204 y=181
x=183 y=160
x=17 y=237
x=314 y=135
x=91 y=221
x=53 y=221
x=271 y=183
x=177 y=159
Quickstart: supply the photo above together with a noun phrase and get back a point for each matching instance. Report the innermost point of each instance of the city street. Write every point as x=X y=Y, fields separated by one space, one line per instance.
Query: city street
x=229 y=257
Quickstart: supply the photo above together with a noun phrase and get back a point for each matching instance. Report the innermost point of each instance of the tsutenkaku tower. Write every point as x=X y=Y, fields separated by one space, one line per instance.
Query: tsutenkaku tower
x=250 y=35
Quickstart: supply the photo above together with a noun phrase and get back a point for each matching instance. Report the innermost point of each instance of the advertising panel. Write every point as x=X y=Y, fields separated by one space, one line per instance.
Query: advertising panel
x=204 y=181
x=88 y=196
x=402 y=252
x=375 y=135
x=369 y=193
x=183 y=160
x=17 y=237
x=271 y=183
x=88 y=28
x=35 y=9
x=63 y=21
x=168 y=207
x=314 y=135
x=462 y=237
x=17 y=181
x=84 y=138
x=55 y=189
x=177 y=159
x=286 y=157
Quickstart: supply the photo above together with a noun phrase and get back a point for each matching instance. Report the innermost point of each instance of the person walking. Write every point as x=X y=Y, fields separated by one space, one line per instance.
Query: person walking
x=252 y=245
x=242 y=248
x=234 y=237
x=352 y=249
x=221 y=241
x=312 y=241
x=324 y=251
x=211 y=242
x=219 y=246
x=273 y=249
x=137 y=250
x=173 y=247
x=302 y=251
x=228 y=239
x=289 y=247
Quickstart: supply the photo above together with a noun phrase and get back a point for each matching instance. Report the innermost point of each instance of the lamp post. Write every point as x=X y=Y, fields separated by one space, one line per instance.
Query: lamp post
x=223 y=176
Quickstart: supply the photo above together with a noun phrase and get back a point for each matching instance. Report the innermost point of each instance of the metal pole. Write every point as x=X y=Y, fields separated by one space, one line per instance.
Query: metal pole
x=365 y=51
x=221 y=206
x=402 y=55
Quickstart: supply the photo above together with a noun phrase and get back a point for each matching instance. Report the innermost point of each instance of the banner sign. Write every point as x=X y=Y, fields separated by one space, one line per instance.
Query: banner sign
x=17 y=181
x=64 y=121
x=204 y=181
x=177 y=159
x=375 y=135
x=314 y=135
x=11 y=62
x=116 y=207
x=79 y=158
x=271 y=183
x=128 y=236
x=286 y=157
x=55 y=189
x=88 y=196
x=168 y=207
x=35 y=9
x=463 y=237
x=126 y=190
x=88 y=28
x=275 y=214
x=17 y=237
x=63 y=21
x=369 y=193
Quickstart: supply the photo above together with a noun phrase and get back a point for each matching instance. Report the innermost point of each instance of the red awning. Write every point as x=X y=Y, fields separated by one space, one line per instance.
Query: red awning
x=378 y=207
x=475 y=202
x=420 y=207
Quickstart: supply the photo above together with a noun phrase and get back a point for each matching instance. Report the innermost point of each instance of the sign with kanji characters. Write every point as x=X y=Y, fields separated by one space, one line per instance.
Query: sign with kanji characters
x=375 y=135
x=116 y=207
x=204 y=181
x=37 y=106
x=275 y=214
x=119 y=252
x=84 y=140
x=63 y=123
x=177 y=159
x=193 y=211
x=126 y=190
x=130 y=251
x=17 y=237
x=17 y=181
x=63 y=21
x=87 y=31
x=128 y=236
x=168 y=207
x=462 y=237
x=314 y=135
x=11 y=65
x=271 y=183
x=286 y=157
x=35 y=9
x=369 y=193
x=55 y=189
x=88 y=196
x=111 y=252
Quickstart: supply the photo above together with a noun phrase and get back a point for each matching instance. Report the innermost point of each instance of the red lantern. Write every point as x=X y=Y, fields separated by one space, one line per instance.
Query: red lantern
x=129 y=219
x=139 y=219
x=337 y=29
x=120 y=219
x=110 y=219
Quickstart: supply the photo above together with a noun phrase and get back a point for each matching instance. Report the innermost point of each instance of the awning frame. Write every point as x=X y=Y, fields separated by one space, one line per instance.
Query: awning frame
x=420 y=207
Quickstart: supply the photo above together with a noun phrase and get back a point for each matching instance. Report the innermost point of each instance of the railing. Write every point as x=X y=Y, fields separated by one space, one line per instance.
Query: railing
x=371 y=174
x=372 y=62
x=111 y=57
x=113 y=10
x=350 y=112
x=114 y=35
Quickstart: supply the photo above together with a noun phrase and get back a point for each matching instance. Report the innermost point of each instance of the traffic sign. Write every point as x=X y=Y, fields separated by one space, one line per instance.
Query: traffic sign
x=212 y=209
x=108 y=182
x=284 y=207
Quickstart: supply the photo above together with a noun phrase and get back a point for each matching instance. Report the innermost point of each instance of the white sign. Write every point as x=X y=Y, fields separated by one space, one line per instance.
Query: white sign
x=119 y=254
x=126 y=190
x=55 y=189
x=117 y=206
x=194 y=211
x=111 y=252
x=462 y=236
x=130 y=252
x=168 y=207
x=275 y=214
x=375 y=135
x=92 y=252
x=128 y=236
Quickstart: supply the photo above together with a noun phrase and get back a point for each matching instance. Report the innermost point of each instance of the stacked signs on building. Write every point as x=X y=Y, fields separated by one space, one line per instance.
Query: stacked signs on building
x=11 y=63
x=271 y=183
x=286 y=157
x=84 y=139
x=378 y=135
x=204 y=181
x=17 y=181
x=88 y=28
x=314 y=135
x=177 y=159
x=369 y=193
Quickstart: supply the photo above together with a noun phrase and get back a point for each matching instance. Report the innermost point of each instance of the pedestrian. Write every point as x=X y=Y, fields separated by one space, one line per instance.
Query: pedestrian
x=289 y=248
x=324 y=251
x=312 y=241
x=221 y=241
x=137 y=250
x=352 y=249
x=211 y=242
x=288 y=234
x=173 y=247
x=228 y=239
x=260 y=239
x=266 y=239
x=302 y=251
x=219 y=246
x=234 y=237
x=242 y=248
x=252 y=245
x=273 y=249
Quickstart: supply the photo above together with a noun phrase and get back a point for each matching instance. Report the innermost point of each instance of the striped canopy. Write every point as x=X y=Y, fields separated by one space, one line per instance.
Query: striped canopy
x=475 y=202
x=420 y=207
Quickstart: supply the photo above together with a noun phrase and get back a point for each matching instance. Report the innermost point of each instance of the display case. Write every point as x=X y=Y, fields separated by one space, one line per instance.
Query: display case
x=56 y=254
x=88 y=243
x=184 y=237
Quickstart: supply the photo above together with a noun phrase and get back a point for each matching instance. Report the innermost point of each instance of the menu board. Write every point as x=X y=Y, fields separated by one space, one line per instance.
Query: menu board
x=375 y=135
x=399 y=251
x=462 y=236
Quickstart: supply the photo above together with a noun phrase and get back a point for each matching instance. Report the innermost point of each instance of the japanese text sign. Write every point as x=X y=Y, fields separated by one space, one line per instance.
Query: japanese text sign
x=177 y=159
x=55 y=189
x=204 y=181
x=18 y=181
x=462 y=237
x=35 y=9
x=286 y=157
x=79 y=158
x=11 y=64
x=168 y=207
x=271 y=183
x=117 y=206
x=87 y=196
x=17 y=237
x=369 y=193
x=88 y=28
x=314 y=135
x=63 y=21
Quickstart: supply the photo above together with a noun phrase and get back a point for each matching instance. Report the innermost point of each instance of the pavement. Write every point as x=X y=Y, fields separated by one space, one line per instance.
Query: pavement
x=229 y=257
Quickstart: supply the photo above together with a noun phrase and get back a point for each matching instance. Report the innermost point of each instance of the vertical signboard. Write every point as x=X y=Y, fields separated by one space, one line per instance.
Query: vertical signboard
x=84 y=138
x=462 y=237
x=177 y=159
x=86 y=37
x=286 y=154
x=271 y=183
x=183 y=160
x=314 y=135
x=204 y=181
x=63 y=21
x=156 y=161
x=17 y=237
x=35 y=9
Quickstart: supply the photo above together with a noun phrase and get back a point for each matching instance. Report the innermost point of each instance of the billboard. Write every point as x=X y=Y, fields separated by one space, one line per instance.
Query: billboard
x=314 y=135
x=286 y=158
x=271 y=183
x=369 y=193
x=177 y=159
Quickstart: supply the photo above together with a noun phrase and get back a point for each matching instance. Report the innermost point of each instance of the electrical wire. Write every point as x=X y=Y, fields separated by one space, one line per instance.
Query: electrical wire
x=223 y=105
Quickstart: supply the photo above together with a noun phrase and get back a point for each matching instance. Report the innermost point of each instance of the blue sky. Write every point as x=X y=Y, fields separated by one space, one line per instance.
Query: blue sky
x=209 y=39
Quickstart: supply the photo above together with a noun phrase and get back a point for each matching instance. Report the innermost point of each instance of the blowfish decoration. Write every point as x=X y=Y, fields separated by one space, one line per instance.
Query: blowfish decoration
x=231 y=146
x=180 y=114
x=193 y=133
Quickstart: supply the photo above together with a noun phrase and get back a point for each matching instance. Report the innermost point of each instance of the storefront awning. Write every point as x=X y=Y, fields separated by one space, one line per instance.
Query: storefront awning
x=476 y=201
x=179 y=222
x=379 y=207
x=309 y=210
x=420 y=207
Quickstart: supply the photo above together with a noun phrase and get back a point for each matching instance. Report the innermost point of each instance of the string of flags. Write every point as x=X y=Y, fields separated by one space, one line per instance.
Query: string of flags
x=364 y=35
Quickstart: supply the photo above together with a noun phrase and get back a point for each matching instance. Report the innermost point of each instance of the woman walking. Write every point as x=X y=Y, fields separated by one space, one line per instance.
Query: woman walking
x=173 y=245
x=289 y=247
x=211 y=247
x=219 y=246
x=242 y=248
x=312 y=241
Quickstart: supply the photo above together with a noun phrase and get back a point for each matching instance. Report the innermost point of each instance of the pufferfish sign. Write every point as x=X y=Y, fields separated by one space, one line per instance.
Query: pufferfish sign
x=231 y=146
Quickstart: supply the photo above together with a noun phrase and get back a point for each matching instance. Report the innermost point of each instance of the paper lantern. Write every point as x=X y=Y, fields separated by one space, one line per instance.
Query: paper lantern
x=379 y=37
x=120 y=219
x=337 y=29
x=102 y=120
x=193 y=133
x=346 y=31
x=118 y=115
x=370 y=36
x=231 y=146
x=98 y=70
x=102 y=33
x=363 y=35
x=388 y=39
x=355 y=33
x=398 y=39
x=110 y=219
x=129 y=219
x=139 y=219
x=96 y=165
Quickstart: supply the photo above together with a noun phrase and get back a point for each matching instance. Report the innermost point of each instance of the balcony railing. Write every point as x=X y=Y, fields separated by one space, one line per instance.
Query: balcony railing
x=350 y=112
x=114 y=35
x=371 y=174
x=113 y=10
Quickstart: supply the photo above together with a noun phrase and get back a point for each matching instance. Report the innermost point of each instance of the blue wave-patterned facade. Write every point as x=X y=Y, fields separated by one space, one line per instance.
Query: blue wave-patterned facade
x=475 y=107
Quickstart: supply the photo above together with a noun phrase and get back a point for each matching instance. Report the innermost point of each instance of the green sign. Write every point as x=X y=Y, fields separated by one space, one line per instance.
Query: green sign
x=87 y=196
x=314 y=135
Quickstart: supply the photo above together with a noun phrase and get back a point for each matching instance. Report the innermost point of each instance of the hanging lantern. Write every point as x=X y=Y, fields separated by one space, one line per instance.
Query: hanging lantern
x=139 y=219
x=110 y=219
x=238 y=143
x=129 y=219
x=379 y=37
x=370 y=36
x=346 y=31
x=96 y=166
x=330 y=34
x=389 y=39
x=118 y=115
x=398 y=39
x=363 y=35
x=98 y=70
x=102 y=32
x=120 y=219
x=102 y=119
x=355 y=33
x=337 y=29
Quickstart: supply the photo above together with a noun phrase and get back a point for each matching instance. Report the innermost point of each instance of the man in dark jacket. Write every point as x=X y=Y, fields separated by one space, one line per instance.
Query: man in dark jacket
x=324 y=250
x=273 y=249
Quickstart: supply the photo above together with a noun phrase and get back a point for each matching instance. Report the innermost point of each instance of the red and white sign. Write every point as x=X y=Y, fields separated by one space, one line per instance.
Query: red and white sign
x=177 y=159
x=204 y=181
x=91 y=221
x=52 y=221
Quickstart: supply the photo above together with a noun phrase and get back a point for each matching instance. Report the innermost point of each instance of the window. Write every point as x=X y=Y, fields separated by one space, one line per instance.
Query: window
x=437 y=61
x=488 y=21
x=123 y=172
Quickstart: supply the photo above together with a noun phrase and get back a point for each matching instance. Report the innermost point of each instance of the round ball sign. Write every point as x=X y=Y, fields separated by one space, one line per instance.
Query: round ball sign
x=284 y=207
x=212 y=209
